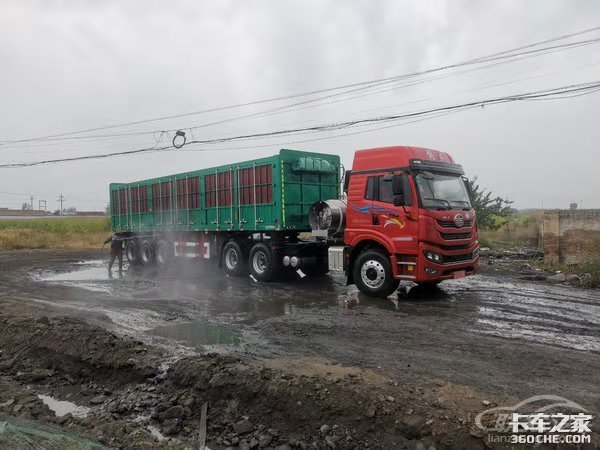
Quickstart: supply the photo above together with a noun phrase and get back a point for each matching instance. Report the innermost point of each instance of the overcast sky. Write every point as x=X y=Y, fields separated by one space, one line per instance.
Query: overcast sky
x=72 y=65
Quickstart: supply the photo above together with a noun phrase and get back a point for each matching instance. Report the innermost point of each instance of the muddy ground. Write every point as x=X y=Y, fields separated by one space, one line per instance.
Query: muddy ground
x=309 y=363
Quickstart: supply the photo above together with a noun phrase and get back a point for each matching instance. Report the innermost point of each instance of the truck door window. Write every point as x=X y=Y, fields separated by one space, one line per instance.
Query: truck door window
x=379 y=190
x=372 y=192
x=385 y=191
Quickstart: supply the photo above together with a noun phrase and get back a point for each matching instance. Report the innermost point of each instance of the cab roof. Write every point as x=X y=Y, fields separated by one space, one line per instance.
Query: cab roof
x=395 y=157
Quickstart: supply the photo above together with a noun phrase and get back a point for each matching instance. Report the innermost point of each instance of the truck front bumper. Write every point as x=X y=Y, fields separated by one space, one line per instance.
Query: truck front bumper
x=435 y=264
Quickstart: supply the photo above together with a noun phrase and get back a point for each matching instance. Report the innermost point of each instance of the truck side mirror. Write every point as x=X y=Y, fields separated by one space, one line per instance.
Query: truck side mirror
x=399 y=200
x=468 y=187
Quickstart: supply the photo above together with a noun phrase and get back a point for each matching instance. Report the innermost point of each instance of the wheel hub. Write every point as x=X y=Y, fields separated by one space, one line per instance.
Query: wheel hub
x=231 y=259
x=259 y=262
x=372 y=274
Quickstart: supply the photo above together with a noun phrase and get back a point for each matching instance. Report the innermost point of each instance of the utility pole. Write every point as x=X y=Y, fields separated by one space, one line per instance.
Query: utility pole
x=61 y=199
x=31 y=202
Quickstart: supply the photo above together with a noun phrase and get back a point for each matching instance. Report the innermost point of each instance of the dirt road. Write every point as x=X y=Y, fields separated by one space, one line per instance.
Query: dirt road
x=425 y=363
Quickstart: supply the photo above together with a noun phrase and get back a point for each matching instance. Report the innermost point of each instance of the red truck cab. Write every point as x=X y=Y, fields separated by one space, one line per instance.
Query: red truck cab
x=409 y=217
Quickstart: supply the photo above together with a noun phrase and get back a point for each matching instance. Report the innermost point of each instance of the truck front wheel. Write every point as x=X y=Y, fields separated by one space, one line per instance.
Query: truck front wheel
x=264 y=266
x=373 y=274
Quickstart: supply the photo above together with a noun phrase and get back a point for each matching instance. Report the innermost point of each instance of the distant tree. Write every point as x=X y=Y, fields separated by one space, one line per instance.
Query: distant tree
x=25 y=207
x=492 y=212
x=573 y=206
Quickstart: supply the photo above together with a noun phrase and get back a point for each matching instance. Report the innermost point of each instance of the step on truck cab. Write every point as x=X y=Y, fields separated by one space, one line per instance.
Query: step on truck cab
x=409 y=217
x=404 y=214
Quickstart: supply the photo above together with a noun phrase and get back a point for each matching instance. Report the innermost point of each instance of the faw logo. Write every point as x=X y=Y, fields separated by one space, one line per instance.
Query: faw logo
x=459 y=221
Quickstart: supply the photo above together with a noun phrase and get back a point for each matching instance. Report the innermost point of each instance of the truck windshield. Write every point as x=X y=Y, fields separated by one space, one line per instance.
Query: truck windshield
x=442 y=191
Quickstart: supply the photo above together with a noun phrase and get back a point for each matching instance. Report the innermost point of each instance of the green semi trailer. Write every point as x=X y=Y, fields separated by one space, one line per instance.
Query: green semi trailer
x=248 y=216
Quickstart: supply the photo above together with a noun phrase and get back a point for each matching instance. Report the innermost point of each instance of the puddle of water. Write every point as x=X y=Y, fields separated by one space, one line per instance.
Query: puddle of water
x=198 y=334
x=88 y=275
x=62 y=407
x=86 y=271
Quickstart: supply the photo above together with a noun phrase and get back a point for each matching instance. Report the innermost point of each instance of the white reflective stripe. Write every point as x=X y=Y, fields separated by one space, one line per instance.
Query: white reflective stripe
x=192 y=249
x=410 y=277
x=407 y=263
x=402 y=238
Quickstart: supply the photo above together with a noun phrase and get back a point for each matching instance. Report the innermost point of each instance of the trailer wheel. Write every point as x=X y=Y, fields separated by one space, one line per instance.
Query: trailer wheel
x=132 y=252
x=263 y=264
x=162 y=254
x=146 y=253
x=373 y=274
x=233 y=259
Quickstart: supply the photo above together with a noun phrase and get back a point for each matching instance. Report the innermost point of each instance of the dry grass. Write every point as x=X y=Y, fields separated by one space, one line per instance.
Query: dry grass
x=64 y=232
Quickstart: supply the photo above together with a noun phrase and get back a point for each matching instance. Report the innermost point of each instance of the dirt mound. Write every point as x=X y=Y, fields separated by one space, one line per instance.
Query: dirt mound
x=133 y=393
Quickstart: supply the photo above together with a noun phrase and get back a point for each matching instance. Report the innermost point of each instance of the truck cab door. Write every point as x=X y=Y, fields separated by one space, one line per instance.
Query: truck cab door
x=393 y=221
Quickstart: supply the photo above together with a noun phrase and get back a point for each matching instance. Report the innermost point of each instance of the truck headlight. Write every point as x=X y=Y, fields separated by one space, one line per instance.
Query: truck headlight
x=433 y=256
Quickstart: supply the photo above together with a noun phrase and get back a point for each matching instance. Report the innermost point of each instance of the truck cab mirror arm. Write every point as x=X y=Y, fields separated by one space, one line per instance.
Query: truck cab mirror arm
x=468 y=187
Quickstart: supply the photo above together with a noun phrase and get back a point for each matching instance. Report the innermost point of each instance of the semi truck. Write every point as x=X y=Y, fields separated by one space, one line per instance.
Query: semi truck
x=399 y=214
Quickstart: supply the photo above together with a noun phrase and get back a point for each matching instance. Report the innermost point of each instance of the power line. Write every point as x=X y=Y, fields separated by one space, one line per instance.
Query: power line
x=362 y=85
x=289 y=108
x=77 y=139
x=377 y=84
x=526 y=96
x=558 y=93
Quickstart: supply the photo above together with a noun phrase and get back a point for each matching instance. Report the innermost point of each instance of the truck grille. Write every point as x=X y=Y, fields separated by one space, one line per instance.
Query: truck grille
x=450 y=224
x=458 y=258
x=455 y=236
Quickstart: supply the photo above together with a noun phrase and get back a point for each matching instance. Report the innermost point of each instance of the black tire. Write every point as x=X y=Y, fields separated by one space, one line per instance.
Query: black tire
x=372 y=271
x=234 y=260
x=162 y=254
x=146 y=253
x=132 y=252
x=263 y=264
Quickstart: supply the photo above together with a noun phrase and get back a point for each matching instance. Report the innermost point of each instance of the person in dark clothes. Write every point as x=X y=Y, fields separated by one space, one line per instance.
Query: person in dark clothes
x=116 y=251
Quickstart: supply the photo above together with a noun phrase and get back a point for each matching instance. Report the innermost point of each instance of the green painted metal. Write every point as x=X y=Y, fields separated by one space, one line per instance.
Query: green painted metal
x=299 y=179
